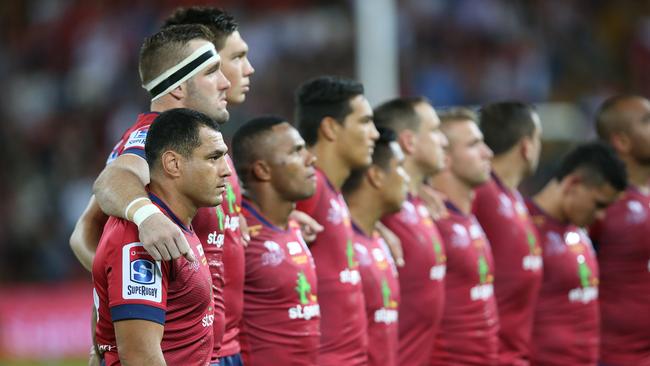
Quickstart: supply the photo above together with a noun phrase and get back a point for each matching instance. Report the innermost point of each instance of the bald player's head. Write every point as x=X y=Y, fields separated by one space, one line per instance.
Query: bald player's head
x=624 y=122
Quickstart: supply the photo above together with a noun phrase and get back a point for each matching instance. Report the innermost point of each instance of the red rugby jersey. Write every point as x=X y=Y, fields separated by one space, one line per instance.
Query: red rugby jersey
x=470 y=323
x=344 y=338
x=281 y=312
x=132 y=141
x=565 y=329
x=129 y=284
x=517 y=254
x=421 y=280
x=623 y=242
x=214 y=226
x=219 y=230
x=381 y=293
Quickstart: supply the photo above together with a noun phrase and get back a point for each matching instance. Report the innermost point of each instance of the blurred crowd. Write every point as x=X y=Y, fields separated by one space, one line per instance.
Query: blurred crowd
x=71 y=83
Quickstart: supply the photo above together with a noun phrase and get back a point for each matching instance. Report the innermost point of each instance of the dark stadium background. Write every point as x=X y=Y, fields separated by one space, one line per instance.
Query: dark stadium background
x=70 y=88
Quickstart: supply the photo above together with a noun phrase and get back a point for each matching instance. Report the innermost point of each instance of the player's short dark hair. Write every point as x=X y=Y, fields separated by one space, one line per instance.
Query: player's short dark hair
x=608 y=120
x=504 y=124
x=178 y=130
x=597 y=163
x=167 y=48
x=325 y=96
x=248 y=142
x=219 y=22
x=381 y=157
x=398 y=114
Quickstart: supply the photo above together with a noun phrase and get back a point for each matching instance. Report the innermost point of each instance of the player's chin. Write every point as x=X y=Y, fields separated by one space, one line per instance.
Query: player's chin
x=216 y=201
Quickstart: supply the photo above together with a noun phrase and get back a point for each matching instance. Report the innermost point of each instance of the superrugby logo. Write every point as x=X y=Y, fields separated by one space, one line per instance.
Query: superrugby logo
x=137 y=139
x=143 y=271
x=141 y=275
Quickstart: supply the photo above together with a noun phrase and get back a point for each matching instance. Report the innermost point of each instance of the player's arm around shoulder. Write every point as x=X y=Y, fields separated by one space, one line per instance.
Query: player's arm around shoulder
x=138 y=342
x=120 y=191
x=87 y=232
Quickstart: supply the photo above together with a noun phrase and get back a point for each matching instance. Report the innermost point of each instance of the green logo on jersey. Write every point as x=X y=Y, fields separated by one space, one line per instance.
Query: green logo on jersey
x=385 y=293
x=583 y=271
x=531 y=242
x=437 y=249
x=483 y=269
x=352 y=263
x=220 y=217
x=231 y=198
x=303 y=288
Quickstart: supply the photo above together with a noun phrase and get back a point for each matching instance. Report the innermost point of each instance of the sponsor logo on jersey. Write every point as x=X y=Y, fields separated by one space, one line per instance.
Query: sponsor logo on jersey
x=588 y=290
x=459 y=236
x=408 y=214
x=351 y=274
x=636 y=214
x=533 y=261
x=141 y=275
x=274 y=254
x=336 y=213
x=306 y=309
x=208 y=319
x=437 y=272
x=484 y=290
x=137 y=139
x=386 y=316
x=505 y=206
x=304 y=312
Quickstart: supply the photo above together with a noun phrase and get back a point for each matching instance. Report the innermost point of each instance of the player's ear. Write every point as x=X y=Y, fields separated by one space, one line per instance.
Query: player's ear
x=526 y=148
x=179 y=92
x=621 y=142
x=329 y=128
x=171 y=162
x=406 y=141
x=375 y=176
x=570 y=183
x=261 y=171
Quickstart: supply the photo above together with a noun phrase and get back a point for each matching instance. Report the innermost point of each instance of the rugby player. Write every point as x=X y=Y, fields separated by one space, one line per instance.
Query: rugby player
x=469 y=327
x=566 y=323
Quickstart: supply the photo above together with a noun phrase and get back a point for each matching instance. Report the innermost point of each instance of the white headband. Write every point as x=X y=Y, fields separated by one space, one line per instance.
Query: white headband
x=184 y=70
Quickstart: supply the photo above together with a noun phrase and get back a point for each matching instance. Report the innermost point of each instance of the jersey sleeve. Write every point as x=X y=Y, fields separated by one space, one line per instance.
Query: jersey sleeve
x=137 y=284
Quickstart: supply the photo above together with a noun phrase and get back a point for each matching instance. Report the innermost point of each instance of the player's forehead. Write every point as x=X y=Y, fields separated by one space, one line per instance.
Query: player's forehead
x=197 y=43
x=235 y=43
x=211 y=140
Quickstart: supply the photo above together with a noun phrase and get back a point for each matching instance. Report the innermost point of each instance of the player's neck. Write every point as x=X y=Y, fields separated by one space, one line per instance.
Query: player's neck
x=638 y=174
x=458 y=192
x=180 y=205
x=329 y=161
x=549 y=199
x=508 y=171
x=271 y=205
x=415 y=174
x=365 y=210
x=164 y=103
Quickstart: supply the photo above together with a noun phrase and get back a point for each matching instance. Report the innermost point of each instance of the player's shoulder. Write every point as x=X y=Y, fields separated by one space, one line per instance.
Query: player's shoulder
x=119 y=232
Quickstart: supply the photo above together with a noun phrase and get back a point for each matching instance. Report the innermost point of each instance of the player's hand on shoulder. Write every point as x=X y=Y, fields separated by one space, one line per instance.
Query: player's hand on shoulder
x=163 y=240
x=308 y=226
x=434 y=200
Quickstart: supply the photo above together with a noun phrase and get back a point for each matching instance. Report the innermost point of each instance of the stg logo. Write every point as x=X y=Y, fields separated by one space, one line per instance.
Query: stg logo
x=215 y=239
x=142 y=271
